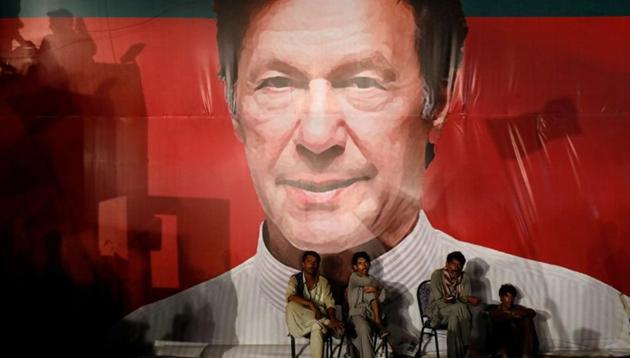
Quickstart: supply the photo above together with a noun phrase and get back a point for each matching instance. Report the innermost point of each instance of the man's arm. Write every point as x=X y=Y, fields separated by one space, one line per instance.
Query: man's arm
x=292 y=296
x=354 y=281
x=523 y=312
x=436 y=286
x=329 y=302
x=376 y=287
x=498 y=314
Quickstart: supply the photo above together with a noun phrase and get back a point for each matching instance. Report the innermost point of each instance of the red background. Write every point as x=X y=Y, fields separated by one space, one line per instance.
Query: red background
x=533 y=160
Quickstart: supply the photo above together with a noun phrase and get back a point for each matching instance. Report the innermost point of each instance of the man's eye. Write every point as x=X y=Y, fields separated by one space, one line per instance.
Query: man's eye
x=363 y=83
x=275 y=82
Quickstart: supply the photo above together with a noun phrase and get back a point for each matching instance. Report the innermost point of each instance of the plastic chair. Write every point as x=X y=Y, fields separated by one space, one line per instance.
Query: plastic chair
x=423 y=296
x=328 y=346
x=380 y=344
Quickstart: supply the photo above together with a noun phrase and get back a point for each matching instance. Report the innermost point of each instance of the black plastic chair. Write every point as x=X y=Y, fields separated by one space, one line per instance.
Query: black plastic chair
x=380 y=344
x=423 y=296
x=328 y=346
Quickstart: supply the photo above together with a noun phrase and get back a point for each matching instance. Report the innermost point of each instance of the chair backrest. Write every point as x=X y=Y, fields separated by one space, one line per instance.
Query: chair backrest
x=423 y=295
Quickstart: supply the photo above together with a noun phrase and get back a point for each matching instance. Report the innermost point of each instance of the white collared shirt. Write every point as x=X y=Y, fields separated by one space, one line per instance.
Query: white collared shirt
x=246 y=305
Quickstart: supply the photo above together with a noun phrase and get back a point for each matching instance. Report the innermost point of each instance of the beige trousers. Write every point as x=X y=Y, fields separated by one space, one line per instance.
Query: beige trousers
x=301 y=322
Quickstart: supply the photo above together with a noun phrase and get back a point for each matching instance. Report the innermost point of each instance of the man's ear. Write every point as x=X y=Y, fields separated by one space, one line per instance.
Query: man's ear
x=238 y=128
x=454 y=98
x=437 y=125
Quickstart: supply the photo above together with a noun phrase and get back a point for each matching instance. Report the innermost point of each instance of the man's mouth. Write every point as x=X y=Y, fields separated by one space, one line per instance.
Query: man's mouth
x=320 y=187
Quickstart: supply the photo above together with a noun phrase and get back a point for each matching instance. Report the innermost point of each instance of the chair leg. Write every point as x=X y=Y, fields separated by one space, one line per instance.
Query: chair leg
x=292 y=347
x=419 y=353
x=341 y=342
x=380 y=344
x=350 y=348
x=437 y=347
x=328 y=347
x=384 y=347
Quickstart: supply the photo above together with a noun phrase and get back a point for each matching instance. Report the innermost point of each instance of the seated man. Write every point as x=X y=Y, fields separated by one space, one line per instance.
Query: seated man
x=310 y=305
x=364 y=295
x=513 y=331
x=450 y=296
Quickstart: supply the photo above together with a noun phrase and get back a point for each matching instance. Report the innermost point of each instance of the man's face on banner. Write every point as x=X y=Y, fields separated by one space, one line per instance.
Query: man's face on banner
x=329 y=101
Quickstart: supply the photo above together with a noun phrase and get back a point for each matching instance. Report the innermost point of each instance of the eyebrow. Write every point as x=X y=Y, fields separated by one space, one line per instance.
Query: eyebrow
x=277 y=65
x=375 y=61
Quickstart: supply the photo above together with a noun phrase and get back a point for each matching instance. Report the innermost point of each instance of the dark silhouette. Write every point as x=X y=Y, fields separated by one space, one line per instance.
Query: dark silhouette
x=58 y=160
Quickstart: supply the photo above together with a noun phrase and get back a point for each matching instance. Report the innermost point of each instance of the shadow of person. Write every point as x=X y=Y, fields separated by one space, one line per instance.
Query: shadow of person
x=398 y=300
x=480 y=285
x=195 y=323
x=332 y=268
x=205 y=322
x=52 y=268
x=530 y=132
x=127 y=339
x=397 y=317
x=553 y=311
x=18 y=60
x=68 y=50
x=132 y=52
x=10 y=27
x=541 y=322
x=188 y=317
x=481 y=288
x=41 y=203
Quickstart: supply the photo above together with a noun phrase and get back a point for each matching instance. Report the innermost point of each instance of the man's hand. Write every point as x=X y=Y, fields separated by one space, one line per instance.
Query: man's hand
x=473 y=300
x=336 y=325
x=370 y=289
x=312 y=307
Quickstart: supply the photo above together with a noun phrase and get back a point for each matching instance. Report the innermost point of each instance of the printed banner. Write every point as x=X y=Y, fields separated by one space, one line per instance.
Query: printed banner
x=165 y=164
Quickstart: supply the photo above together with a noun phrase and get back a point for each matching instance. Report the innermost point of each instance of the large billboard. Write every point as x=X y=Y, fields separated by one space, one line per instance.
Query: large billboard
x=165 y=163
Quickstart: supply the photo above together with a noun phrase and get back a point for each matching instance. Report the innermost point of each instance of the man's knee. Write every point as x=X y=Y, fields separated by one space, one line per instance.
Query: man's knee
x=317 y=330
x=369 y=297
x=361 y=326
x=463 y=311
x=460 y=314
x=294 y=308
x=453 y=320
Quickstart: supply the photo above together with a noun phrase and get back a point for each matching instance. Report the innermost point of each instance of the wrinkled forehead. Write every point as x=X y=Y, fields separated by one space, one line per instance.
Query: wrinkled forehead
x=301 y=30
x=309 y=16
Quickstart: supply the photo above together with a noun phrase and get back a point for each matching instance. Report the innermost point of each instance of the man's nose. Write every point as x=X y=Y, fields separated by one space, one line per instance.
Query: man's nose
x=322 y=131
